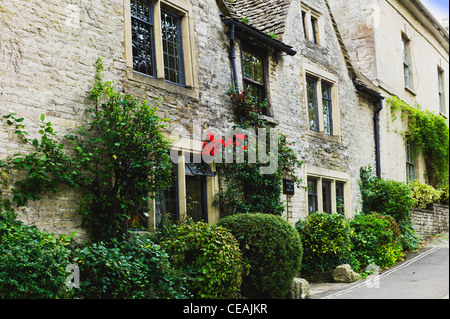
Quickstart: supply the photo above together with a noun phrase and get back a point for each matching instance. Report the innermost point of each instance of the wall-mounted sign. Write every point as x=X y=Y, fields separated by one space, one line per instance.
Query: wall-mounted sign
x=288 y=187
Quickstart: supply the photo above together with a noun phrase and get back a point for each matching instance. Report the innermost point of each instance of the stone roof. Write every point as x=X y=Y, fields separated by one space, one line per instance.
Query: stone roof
x=268 y=16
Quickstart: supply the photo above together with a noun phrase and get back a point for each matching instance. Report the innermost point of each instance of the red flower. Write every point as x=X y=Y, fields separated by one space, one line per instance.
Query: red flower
x=211 y=137
x=243 y=148
x=240 y=136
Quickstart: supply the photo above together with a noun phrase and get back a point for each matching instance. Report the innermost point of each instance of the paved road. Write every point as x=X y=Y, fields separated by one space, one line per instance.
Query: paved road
x=422 y=275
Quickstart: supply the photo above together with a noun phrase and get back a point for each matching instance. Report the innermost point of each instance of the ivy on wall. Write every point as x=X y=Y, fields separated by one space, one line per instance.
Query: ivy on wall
x=117 y=161
x=429 y=133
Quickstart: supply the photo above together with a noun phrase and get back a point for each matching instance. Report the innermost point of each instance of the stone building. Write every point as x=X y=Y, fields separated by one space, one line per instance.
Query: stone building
x=184 y=55
x=404 y=50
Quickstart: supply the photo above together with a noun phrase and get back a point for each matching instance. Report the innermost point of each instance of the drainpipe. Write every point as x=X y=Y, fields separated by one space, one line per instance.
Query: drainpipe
x=376 y=119
x=233 y=63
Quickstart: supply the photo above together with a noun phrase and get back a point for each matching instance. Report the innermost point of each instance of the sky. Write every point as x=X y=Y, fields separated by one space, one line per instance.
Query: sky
x=439 y=8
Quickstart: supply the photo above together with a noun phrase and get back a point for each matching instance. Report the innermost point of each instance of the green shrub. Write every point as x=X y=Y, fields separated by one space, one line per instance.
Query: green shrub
x=424 y=194
x=386 y=197
x=209 y=254
x=391 y=198
x=272 y=248
x=374 y=238
x=444 y=195
x=326 y=241
x=131 y=269
x=32 y=263
x=408 y=238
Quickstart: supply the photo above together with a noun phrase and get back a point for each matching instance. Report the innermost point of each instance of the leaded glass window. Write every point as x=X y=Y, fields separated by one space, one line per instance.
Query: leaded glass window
x=326 y=108
x=143 y=37
x=172 y=47
x=311 y=91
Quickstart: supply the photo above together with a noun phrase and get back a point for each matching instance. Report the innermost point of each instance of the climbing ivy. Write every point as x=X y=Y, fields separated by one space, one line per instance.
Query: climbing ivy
x=117 y=161
x=429 y=133
x=247 y=189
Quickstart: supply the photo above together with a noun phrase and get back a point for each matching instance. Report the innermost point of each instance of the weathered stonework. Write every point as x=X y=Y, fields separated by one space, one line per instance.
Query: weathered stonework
x=47 y=54
x=429 y=222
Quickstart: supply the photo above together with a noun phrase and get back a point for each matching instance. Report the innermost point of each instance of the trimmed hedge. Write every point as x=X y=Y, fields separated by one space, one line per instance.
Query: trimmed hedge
x=208 y=254
x=273 y=250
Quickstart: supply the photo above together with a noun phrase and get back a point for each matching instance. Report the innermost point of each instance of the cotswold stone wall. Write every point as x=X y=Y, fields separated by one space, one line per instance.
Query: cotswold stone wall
x=428 y=222
x=48 y=51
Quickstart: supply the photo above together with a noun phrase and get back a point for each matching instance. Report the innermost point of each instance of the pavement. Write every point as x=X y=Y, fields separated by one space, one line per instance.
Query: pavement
x=422 y=275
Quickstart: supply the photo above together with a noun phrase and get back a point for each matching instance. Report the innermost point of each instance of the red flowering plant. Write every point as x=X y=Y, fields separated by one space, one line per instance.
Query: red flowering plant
x=249 y=107
x=247 y=189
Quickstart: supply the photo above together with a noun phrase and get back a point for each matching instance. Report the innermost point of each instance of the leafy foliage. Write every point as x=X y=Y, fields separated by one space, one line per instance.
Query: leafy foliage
x=391 y=198
x=385 y=196
x=424 y=194
x=326 y=241
x=116 y=161
x=374 y=239
x=32 y=263
x=208 y=254
x=135 y=268
x=429 y=133
x=246 y=189
x=272 y=248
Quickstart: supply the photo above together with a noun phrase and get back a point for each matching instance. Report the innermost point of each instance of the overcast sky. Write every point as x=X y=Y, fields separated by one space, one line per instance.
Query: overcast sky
x=439 y=8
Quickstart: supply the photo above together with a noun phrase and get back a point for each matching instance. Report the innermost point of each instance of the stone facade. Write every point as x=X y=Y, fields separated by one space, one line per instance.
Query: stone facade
x=47 y=55
x=373 y=32
x=429 y=222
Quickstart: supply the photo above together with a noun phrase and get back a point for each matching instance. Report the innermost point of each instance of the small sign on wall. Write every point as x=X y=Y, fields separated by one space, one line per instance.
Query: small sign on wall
x=288 y=187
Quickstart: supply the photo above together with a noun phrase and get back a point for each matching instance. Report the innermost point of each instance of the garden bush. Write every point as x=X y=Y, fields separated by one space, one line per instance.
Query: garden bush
x=208 y=254
x=32 y=262
x=272 y=248
x=374 y=239
x=424 y=194
x=444 y=195
x=386 y=197
x=391 y=198
x=326 y=241
x=135 y=268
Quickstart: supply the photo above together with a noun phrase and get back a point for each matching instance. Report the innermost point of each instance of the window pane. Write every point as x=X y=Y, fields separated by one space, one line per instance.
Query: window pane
x=406 y=62
x=195 y=197
x=142 y=37
x=252 y=67
x=441 y=91
x=304 y=24
x=314 y=29
x=340 y=208
x=172 y=47
x=326 y=108
x=312 y=195
x=311 y=91
x=166 y=203
x=326 y=196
